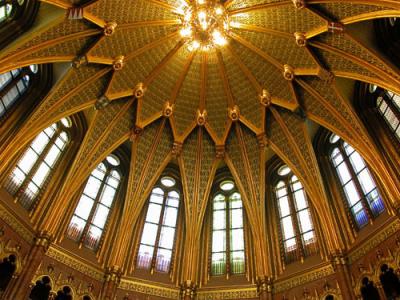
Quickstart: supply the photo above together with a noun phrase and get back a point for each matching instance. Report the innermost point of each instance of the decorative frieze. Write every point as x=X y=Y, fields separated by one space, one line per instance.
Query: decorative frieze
x=281 y=286
x=17 y=226
x=75 y=264
x=238 y=293
x=148 y=289
x=374 y=241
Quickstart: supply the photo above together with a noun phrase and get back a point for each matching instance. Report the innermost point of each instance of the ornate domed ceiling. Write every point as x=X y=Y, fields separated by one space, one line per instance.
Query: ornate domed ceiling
x=136 y=74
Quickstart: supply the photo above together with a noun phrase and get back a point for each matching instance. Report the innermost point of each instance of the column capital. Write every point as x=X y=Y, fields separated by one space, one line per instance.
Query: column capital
x=113 y=274
x=43 y=239
x=264 y=285
x=188 y=290
x=338 y=258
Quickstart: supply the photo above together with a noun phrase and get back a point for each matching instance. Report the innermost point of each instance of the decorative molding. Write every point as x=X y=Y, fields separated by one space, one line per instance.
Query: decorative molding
x=74 y=263
x=148 y=289
x=16 y=225
x=303 y=279
x=244 y=293
x=374 y=241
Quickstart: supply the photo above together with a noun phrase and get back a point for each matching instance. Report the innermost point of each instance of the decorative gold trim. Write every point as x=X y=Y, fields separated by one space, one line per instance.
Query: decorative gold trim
x=149 y=289
x=303 y=278
x=12 y=221
x=374 y=241
x=241 y=293
x=74 y=263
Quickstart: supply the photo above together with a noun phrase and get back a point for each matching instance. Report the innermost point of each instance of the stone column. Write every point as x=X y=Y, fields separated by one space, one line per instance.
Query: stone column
x=264 y=288
x=19 y=288
x=188 y=290
x=112 y=279
x=340 y=265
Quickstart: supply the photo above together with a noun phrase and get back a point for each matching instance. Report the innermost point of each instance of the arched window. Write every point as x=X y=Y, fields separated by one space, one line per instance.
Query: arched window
x=91 y=214
x=227 y=250
x=363 y=198
x=158 y=236
x=6 y=10
x=297 y=230
x=16 y=16
x=388 y=105
x=13 y=85
x=33 y=170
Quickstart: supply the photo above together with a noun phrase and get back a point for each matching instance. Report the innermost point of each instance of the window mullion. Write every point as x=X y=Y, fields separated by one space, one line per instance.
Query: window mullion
x=12 y=83
x=391 y=105
x=160 y=222
x=228 y=236
x=36 y=165
x=293 y=216
x=357 y=183
x=95 y=203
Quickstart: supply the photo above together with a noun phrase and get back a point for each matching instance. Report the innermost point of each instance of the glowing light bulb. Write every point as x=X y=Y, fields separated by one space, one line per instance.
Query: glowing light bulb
x=187 y=15
x=219 y=10
x=234 y=24
x=185 y=32
x=202 y=16
x=195 y=45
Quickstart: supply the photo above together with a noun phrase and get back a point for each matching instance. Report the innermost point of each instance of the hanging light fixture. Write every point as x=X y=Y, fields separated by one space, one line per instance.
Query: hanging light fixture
x=205 y=24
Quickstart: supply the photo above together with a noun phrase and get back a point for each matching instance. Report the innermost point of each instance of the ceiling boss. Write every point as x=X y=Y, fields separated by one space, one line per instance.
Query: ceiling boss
x=205 y=24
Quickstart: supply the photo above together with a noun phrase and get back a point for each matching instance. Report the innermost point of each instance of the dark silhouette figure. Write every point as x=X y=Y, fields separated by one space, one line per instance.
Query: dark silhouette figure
x=64 y=294
x=41 y=290
x=390 y=282
x=7 y=269
x=368 y=290
x=329 y=297
x=87 y=297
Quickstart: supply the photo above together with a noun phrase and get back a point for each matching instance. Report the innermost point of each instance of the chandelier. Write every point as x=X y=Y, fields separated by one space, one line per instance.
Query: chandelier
x=205 y=24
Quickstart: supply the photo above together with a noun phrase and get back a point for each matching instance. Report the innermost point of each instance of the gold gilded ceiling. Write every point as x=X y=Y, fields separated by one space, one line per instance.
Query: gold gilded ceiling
x=132 y=69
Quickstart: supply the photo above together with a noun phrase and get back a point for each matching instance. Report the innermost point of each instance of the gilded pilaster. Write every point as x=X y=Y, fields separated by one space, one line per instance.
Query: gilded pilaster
x=20 y=288
x=188 y=290
x=112 y=279
x=340 y=265
x=264 y=288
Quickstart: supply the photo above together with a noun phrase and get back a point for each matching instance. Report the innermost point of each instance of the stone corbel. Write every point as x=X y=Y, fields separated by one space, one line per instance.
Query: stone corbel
x=265 y=98
x=102 y=102
x=168 y=109
x=234 y=113
x=299 y=4
x=288 y=72
x=79 y=61
x=109 y=28
x=301 y=39
x=201 y=117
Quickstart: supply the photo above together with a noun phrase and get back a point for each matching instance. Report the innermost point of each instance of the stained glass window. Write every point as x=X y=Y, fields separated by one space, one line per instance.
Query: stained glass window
x=363 y=198
x=13 y=85
x=32 y=171
x=227 y=254
x=388 y=104
x=298 y=235
x=158 y=236
x=91 y=214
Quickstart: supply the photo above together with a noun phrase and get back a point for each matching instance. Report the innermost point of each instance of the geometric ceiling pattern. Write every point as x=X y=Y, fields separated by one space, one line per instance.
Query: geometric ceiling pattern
x=133 y=72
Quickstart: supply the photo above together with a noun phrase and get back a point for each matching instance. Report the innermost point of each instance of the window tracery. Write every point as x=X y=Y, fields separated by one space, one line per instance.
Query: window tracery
x=9 y=9
x=388 y=106
x=298 y=239
x=13 y=85
x=227 y=249
x=36 y=165
x=362 y=195
x=158 y=235
x=16 y=16
x=91 y=214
